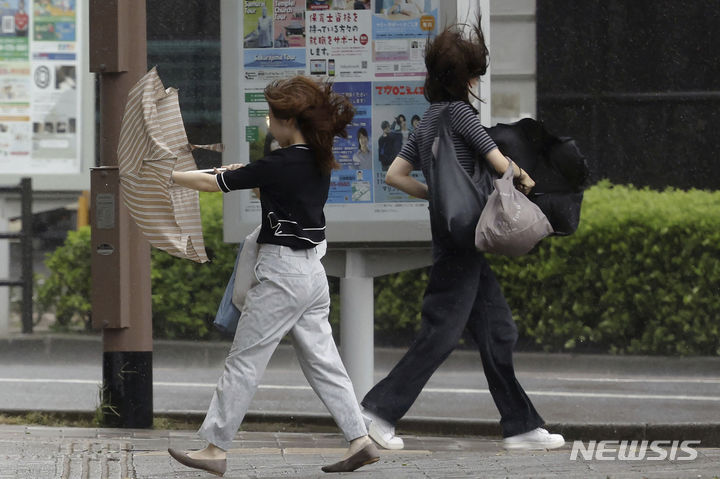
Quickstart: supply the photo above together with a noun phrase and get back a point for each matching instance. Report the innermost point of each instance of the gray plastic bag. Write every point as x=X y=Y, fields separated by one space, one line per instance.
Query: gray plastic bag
x=510 y=224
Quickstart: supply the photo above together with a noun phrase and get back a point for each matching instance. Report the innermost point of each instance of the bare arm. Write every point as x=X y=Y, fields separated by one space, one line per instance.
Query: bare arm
x=195 y=180
x=201 y=181
x=398 y=176
x=500 y=163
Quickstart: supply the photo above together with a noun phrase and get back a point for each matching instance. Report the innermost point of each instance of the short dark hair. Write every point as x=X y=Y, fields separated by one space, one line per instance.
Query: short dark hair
x=384 y=124
x=452 y=59
x=362 y=132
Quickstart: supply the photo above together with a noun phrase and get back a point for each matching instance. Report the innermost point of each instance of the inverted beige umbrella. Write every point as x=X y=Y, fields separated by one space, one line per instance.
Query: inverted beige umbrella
x=152 y=144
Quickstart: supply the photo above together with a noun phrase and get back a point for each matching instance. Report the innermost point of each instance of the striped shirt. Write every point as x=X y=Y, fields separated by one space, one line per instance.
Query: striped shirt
x=469 y=137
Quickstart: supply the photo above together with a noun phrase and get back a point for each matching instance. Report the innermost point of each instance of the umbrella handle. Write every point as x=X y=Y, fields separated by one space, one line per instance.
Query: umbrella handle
x=218 y=147
x=208 y=170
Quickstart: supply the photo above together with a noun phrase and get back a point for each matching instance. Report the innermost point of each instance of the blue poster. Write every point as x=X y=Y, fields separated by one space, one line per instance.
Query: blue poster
x=352 y=183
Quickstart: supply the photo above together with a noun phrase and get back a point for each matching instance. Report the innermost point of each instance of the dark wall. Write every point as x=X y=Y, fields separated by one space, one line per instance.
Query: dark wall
x=637 y=83
x=184 y=43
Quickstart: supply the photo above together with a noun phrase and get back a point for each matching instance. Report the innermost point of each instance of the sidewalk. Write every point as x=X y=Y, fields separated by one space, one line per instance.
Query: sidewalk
x=49 y=453
x=583 y=397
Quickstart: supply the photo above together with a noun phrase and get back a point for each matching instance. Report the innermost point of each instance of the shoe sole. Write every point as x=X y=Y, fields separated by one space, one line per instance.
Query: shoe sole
x=356 y=461
x=533 y=446
x=187 y=461
x=375 y=436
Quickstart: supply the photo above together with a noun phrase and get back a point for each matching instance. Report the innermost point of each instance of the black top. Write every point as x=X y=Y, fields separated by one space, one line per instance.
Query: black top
x=293 y=192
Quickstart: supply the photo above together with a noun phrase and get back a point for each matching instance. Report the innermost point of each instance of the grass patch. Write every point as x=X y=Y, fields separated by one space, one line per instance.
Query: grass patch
x=160 y=422
x=49 y=419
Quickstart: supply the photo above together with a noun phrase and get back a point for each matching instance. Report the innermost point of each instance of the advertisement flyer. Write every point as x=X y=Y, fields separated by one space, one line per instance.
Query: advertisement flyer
x=353 y=182
x=400 y=29
x=15 y=130
x=54 y=20
x=289 y=23
x=15 y=133
x=55 y=99
x=397 y=110
x=265 y=66
x=258 y=23
x=39 y=102
x=14 y=30
x=371 y=51
x=339 y=43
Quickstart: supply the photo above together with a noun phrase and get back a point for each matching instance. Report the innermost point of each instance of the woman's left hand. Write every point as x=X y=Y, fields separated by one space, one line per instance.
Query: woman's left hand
x=234 y=166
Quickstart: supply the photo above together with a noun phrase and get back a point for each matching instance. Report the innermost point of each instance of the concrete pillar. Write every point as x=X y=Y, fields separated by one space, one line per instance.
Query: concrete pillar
x=4 y=271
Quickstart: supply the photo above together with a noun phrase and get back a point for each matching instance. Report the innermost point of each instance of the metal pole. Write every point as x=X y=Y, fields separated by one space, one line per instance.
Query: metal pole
x=121 y=299
x=356 y=332
x=27 y=255
x=357 y=322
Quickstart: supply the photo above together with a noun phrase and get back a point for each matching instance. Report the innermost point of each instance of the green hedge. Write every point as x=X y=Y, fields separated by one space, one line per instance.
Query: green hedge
x=185 y=294
x=641 y=275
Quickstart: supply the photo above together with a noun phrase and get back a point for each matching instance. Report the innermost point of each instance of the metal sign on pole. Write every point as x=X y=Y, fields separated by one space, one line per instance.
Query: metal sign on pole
x=120 y=263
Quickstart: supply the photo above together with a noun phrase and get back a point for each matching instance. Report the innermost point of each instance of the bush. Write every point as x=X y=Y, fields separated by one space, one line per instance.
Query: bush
x=639 y=276
x=185 y=294
x=67 y=290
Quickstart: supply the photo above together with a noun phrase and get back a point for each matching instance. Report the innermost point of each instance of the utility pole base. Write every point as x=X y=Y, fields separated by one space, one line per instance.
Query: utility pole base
x=127 y=389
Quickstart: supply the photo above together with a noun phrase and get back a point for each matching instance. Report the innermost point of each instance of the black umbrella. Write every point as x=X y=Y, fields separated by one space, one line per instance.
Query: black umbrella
x=555 y=163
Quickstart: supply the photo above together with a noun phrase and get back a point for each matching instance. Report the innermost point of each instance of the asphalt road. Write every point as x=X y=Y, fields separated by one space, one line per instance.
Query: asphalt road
x=564 y=388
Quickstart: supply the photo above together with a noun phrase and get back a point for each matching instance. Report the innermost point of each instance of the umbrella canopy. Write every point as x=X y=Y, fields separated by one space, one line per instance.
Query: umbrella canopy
x=556 y=165
x=152 y=144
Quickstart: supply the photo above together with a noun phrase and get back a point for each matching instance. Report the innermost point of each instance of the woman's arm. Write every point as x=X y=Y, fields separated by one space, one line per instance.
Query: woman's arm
x=195 y=180
x=398 y=176
x=500 y=163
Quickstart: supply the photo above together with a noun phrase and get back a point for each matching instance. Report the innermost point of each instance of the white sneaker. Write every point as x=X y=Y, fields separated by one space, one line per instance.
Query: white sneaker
x=536 y=439
x=381 y=431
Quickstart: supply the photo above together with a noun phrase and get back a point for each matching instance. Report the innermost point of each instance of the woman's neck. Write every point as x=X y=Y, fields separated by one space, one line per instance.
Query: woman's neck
x=296 y=138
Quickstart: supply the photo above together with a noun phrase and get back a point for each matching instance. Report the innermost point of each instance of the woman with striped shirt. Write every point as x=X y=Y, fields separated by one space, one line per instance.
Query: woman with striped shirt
x=462 y=291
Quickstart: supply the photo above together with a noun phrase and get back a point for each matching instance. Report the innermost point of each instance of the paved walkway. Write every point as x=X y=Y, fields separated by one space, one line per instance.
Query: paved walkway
x=75 y=453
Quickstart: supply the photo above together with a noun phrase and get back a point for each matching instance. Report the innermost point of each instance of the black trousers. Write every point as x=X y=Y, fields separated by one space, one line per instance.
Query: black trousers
x=462 y=293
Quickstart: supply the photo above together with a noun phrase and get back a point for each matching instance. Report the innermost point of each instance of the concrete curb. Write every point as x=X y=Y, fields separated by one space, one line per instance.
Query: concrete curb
x=707 y=433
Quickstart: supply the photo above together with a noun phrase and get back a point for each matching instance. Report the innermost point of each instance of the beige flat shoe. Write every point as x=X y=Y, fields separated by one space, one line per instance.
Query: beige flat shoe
x=213 y=466
x=366 y=455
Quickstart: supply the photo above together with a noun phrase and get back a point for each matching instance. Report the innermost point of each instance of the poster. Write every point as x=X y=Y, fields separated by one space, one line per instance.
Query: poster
x=15 y=134
x=352 y=183
x=257 y=23
x=397 y=110
x=289 y=23
x=265 y=66
x=372 y=52
x=39 y=101
x=339 y=43
x=400 y=29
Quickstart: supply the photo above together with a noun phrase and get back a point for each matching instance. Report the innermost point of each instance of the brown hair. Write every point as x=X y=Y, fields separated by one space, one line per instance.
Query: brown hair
x=321 y=113
x=452 y=59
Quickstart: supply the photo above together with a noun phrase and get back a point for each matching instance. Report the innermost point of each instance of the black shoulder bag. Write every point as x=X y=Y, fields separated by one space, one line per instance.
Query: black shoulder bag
x=456 y=199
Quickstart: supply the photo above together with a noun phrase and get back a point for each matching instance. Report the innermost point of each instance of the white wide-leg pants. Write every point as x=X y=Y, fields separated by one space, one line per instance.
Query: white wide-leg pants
x=292 y=297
